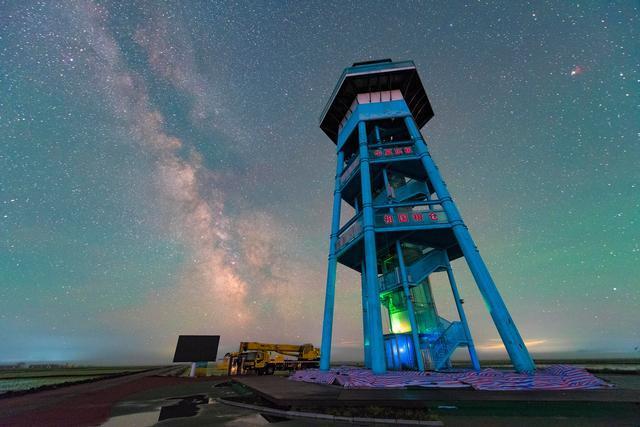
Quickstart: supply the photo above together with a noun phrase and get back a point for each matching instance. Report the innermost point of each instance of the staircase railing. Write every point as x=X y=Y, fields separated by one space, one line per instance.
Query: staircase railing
x=404 y=192
x=411 y=189
x=443 y=347
x=426 y=265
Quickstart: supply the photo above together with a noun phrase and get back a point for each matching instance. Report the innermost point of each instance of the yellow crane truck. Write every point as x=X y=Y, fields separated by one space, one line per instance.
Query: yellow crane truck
x=264 y=359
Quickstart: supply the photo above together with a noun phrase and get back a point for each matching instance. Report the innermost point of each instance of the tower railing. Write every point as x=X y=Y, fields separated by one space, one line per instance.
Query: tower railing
x=387 y=151
x=349 y=232
x=417 y=215
x=387 y=144
x=350 y=170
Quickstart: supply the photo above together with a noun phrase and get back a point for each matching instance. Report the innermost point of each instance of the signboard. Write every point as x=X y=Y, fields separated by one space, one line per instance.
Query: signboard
x=196 y=348
x=411 y=218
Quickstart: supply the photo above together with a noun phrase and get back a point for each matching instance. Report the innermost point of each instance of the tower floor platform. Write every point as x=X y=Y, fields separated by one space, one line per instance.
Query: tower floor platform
x=351 y=254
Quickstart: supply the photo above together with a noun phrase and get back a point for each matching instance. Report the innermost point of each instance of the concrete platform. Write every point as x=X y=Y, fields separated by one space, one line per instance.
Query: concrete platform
x=286 y=393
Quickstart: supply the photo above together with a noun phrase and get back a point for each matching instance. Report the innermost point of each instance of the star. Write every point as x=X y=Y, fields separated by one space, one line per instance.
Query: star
x=577 y=70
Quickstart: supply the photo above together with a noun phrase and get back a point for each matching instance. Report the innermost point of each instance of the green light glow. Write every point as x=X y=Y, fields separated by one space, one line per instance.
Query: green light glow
x=400 y=322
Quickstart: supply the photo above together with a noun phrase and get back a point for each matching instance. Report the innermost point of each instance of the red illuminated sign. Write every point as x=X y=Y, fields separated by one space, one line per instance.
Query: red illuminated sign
x=396 y=151
x=409 y=218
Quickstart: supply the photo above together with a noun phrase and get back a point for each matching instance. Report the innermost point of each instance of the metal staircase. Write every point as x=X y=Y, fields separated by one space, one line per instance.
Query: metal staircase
x=435 y=260
x=442 y=347
x=449 y=335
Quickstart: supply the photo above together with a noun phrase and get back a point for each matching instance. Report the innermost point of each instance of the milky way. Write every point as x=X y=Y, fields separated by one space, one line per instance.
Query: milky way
x=162 y=170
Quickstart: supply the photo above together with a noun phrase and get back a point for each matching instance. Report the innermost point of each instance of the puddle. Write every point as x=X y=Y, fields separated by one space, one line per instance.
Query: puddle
x=185 y=407
x=248 y=420
x=144 y=415
x=154 y=412
x=140 y=419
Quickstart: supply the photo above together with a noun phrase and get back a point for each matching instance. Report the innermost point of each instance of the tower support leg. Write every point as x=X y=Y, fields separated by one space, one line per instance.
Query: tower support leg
x=412 y=314
x=365 y=317
x=327 y=325
x=463 y=318
x=376 y=341
x=504 y=323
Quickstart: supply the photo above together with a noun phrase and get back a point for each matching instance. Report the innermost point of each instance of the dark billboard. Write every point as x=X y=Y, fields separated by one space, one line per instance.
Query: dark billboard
x=196 y=348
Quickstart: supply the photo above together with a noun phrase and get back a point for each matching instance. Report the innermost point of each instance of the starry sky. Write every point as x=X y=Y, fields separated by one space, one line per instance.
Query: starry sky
x=162 y=170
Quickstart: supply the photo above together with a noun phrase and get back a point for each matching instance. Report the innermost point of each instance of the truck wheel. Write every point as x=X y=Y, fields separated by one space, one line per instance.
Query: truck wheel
x=270 y=370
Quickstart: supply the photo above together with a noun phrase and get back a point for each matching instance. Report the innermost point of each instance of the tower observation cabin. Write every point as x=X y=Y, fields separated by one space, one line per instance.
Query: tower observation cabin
x=405 y=227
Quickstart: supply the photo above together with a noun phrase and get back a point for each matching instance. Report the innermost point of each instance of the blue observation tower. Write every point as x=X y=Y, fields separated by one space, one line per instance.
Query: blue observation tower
x=405 y=226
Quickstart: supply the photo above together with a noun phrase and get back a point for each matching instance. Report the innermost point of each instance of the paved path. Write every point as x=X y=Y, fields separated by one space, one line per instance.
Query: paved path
x=80 y=404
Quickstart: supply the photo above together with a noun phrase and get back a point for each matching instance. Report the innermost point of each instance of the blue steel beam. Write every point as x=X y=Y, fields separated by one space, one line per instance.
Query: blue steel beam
x=412 y=314
x=329 y=301
x=504 y=323
x=376 y=341
x=365 y=311
x=365 y=316
x=463 y=317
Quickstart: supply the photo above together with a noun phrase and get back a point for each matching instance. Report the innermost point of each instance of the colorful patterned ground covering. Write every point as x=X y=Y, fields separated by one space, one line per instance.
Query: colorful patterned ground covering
x=556 y=377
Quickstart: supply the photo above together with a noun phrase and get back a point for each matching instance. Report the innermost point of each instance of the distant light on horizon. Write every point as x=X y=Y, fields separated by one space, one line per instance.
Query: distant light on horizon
x=500 y=345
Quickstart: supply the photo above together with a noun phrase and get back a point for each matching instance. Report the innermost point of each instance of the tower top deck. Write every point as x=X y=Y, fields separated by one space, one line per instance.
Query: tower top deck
x=375 y=76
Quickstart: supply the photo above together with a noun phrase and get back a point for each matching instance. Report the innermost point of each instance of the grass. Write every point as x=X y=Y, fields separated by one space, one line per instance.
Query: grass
x=68 y=372
x=19 y=381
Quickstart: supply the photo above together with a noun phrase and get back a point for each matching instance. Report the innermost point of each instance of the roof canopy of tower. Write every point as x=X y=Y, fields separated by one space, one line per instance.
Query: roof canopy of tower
x=374 y=76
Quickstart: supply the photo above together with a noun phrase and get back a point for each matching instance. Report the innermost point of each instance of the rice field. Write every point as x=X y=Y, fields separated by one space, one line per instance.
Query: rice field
x=26 y=379
x=18 y=384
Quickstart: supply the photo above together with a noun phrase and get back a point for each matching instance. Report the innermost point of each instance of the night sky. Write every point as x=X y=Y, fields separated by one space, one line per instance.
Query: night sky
x=162 y=170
